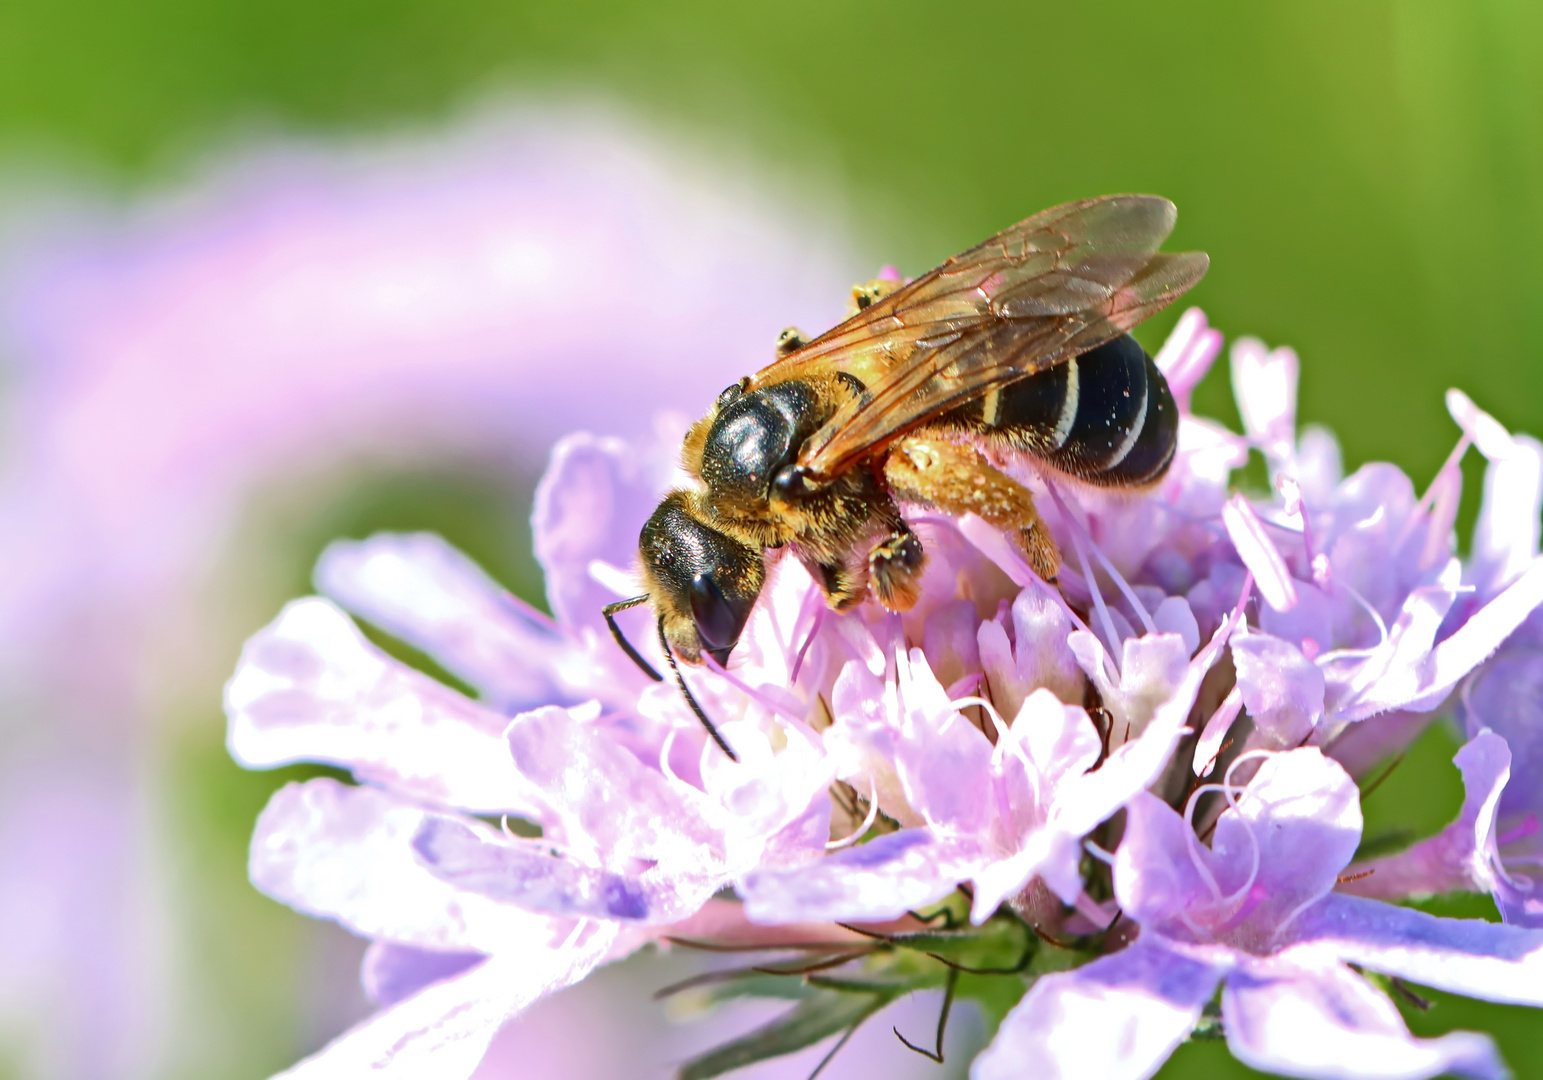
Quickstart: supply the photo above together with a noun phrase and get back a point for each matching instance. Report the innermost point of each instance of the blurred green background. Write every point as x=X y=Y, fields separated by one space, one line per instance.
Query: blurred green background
x=1367 y=177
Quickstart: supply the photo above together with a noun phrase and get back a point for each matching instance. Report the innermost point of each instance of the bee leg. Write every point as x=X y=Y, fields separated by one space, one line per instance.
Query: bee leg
x=957 y=480
x=895 y=569
x=842 y=587
x=868 y=293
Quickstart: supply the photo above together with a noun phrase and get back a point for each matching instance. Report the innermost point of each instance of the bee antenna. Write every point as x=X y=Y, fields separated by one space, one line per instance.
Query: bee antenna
x=609 y=611
x=680 y=680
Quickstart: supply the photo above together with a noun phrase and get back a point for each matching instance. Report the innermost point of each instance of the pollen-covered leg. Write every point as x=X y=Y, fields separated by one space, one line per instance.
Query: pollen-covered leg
x=869 y=293
x=957 y=480
x=895 y=569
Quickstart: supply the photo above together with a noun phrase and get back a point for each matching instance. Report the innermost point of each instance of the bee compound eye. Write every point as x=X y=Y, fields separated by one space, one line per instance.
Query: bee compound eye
x=792 y=483
x=718 y=619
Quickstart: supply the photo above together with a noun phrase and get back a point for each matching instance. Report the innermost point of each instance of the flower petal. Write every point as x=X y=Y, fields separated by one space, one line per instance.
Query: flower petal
x=1505 y=538
x=942 y=759
x=1281 y=688
x=1118 y=1018
x=1316 y=1018
x=421 y=590
x=444 y=1030
x=345 y=853
x=590 y=505
x=309 y=687
x=1188 y=354
x=530 y=874
x=1424 y=683
x=876 y=881
x=1037 y=657
x=1479 y=959
x=1155 y=876
x=392 y=972
x=1085 y=801
x=1301 y=814
x=1265 y=385
x=1259 y=554
x=1458 y=857
x=603 y=804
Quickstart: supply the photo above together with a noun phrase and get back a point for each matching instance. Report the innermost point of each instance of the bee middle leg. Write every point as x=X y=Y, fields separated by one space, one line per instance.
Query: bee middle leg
x=958 y=480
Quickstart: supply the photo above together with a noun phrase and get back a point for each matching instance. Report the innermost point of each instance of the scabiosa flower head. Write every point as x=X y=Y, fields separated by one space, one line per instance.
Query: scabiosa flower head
x=917 y=796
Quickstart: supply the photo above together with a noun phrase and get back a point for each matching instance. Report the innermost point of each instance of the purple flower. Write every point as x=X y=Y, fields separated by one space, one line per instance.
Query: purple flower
x=1495 y=845
x=978 y=746
x=1255 y=913
x=293 y=314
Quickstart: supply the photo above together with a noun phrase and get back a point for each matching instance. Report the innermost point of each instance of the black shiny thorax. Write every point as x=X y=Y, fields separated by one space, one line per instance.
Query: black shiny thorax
x=755 y=436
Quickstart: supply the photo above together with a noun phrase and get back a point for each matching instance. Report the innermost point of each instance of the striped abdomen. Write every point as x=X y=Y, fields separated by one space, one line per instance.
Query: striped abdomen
x=1106 y=417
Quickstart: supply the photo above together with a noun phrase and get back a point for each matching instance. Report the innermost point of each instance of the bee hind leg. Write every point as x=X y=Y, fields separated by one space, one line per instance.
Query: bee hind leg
x=957 y=480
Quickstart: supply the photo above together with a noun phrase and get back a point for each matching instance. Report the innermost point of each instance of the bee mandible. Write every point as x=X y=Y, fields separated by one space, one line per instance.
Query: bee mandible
x=1018 y=347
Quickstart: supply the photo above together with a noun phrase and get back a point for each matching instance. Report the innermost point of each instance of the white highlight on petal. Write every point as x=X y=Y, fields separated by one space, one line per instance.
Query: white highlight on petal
x=1506 y=536
x=613 y=577
x=1215 y=732
x=310 y=687
x=1117 y=1018
x=1265 y=384
x=1259 y=554
x=1488 y=434
x=1188 y=354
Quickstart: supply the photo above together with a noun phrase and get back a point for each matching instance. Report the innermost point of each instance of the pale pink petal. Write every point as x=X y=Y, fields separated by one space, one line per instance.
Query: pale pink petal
x=1060 y=739
x=1505 y=538
x=948 y=641
x=1472 y=957
x=942 y=759
x=590 y=505
x=1117 y=1018
x=531 y=874
x=1316 y=1018
x=310 y=687
x=1460 y=856
x=1155 y=872
x=345 y=853
x=444 y=1030
x=873 y=882
x=1214 y=734
x=1425 y=683
x=1281 y=688
x=1301 y=813
x=1089 y=799
x=603 y=804
x=1188 y=354
x=1320 y=466
x=1487 y=433
x=421 y=590
x=1259 y=554
x=1265 y=384
x=1173 y=615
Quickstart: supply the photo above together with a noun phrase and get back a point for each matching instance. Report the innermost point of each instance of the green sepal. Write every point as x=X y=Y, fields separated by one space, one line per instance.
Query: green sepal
x=815 y=1018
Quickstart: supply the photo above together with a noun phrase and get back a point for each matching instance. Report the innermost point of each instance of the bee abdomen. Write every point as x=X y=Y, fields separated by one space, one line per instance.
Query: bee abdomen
x=1106 y=417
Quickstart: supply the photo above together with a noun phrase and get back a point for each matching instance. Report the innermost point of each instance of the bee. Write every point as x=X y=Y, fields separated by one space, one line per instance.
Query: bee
x=1015 y=349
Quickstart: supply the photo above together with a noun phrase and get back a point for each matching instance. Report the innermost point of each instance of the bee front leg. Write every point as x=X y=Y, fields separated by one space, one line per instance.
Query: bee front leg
x=957 y=480
x=895 y=568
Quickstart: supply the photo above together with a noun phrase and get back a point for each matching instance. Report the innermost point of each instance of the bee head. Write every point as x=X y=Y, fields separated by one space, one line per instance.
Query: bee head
x=703 y=583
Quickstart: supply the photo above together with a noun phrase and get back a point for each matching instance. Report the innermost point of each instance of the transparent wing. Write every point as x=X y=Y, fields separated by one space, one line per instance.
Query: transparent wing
x=1053 y=286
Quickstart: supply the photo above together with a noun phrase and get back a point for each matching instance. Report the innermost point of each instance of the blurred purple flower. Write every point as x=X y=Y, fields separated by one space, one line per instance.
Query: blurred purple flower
x=881 y=767
x=296 y=311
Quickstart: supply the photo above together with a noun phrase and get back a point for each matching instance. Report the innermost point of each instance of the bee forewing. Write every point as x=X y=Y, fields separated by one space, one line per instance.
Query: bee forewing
x=1036 y=294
